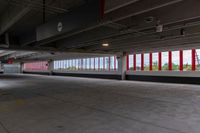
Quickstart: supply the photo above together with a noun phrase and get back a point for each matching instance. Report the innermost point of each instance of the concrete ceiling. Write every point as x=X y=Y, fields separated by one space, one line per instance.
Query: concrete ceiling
x=127 y=25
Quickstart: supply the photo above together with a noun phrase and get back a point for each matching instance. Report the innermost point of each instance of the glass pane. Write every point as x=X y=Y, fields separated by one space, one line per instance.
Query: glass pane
x=130 y=62
x=74 y=65
x=92 y=64
x=68 y=64
x=138 y=62
x=187 y=60
x=101 y=63
x=155 y=62
x=87 y=64
x=198 y=60
x=116 y=63
x=96 y=63
x=106 y=63
x=165 y=59
x=175 y=60
x=84 y=64
x=112 y=63
x=146 y=62
x=79 y=64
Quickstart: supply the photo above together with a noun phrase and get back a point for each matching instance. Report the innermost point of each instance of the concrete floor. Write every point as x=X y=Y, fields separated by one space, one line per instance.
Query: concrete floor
x=43 y=104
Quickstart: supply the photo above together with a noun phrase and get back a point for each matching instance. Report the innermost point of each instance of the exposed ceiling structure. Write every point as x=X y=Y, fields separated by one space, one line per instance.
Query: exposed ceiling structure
x=82 y=26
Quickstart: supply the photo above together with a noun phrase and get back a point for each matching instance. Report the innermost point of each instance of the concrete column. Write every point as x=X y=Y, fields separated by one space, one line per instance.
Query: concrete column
x=21 y=67
x=122 y=63
x=50 y=67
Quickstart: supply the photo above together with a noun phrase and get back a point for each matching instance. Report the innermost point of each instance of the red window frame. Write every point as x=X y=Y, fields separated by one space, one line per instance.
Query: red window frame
x=150 y=61
x=134 y=62
x=142 y=61
x=181 y=60
x=159 y=61
x=193 y=59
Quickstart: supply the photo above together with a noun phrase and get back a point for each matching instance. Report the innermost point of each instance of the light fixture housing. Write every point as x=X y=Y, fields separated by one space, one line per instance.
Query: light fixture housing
x=105 y=44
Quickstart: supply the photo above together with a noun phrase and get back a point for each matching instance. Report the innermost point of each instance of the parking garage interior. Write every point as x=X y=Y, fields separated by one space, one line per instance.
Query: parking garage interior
x=99 y=66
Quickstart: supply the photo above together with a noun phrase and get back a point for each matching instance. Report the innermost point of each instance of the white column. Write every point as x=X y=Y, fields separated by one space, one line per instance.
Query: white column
x=122 y=65
x=21 y=67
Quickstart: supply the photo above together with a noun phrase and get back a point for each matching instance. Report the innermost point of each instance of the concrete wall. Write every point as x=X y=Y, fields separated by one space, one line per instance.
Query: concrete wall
x=12 y=68
x=188 y=77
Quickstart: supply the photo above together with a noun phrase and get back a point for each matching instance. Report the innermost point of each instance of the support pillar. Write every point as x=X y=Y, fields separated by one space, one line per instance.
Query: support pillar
x=50 y=67
x=122 y=65
x=21 y=67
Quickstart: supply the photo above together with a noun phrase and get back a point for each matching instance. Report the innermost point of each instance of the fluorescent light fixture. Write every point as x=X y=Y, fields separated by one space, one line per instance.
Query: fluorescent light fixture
x=105 y=44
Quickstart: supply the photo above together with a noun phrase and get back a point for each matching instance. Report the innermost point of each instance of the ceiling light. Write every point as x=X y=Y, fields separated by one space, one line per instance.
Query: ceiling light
x=105 y=44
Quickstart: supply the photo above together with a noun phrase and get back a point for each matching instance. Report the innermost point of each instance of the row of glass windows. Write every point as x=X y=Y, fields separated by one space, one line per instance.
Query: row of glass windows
x=97 y=63
x=43 y=65
x=183 y=60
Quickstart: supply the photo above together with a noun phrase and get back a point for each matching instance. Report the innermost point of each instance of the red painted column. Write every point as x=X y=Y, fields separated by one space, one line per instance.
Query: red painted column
x=170 y=61
x=142 y=62
x=181 y=61
x=193 y=60
x=150 y=61
x=127 y=62
x=134 y=62
x=159 y=61
x=115 y=63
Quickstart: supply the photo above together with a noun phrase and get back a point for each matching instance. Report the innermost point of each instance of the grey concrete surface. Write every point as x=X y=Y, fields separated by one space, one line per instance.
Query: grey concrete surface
x=44 y=104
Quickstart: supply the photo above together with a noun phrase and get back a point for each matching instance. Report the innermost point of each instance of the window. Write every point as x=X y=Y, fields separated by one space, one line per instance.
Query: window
x=112 y=63
x=187 y=60
x=116 y=64
x=146 y=62
x=92 y=64
x=87 y=64
x=175 y=60
x=101 y=63
x=107 y=63
x=165 y=61
x=198 y=59
x=155 y=61
x=55 y=65
x=68 y=64
x=37 y=66
x=130 y=62
x=138 y=62
x=96 y=63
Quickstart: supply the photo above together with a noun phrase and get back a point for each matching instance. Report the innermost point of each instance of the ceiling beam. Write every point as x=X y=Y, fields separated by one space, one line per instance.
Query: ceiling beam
x=12 y=15
x=111 y=5
x=146 y=6
x=137 y=8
